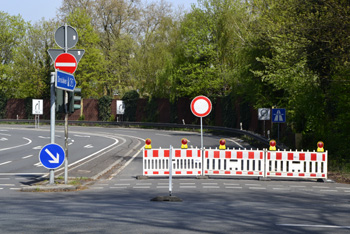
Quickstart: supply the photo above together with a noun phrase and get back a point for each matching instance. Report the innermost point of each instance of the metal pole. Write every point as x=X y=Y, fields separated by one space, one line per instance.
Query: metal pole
x=52 y=119
x=202 y=149
x=170 y=170
x=65 y=38
x=66 y=137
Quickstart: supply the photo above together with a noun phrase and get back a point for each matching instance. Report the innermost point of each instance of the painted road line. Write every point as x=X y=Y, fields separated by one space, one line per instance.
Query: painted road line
x=27 y=156
x=257 y=188
x=17 y=146
x=311 y=225
x=7 y=185
x=4 y=163
x=141 y=187
x=211 y=187
x=229 y=187
x=187 y=186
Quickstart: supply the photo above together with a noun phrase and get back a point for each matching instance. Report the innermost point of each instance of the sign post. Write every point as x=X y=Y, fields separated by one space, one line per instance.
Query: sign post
x=278 y=116
x=65 y=62
x=201 y=107
x=264 y=114
x=37 y=110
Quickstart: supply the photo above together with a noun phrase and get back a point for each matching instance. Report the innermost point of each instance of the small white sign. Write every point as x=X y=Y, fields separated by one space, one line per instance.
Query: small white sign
x=264 y=113
x=120 y=107
x=37 y=107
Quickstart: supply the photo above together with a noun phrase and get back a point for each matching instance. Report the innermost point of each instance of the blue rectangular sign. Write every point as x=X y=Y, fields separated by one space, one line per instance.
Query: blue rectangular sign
x=65 y=81
x=278 y=115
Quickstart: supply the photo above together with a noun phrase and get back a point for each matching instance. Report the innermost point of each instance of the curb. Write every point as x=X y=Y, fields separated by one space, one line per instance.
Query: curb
x=49 y=188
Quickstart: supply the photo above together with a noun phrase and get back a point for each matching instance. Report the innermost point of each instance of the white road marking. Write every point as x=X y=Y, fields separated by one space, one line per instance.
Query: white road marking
x=27 y=156
x=316 y=226
x=239 y=145
x=88 y=146
x=7 y=185
x=37 y=147
x=211 y=187
x=17 y=146
x=38 y=164
x=3 y=139
x=87 y=136
x=44 y=137
x=5 y=163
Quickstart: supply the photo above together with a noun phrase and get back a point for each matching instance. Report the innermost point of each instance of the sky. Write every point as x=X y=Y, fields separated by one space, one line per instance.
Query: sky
x=35 y=10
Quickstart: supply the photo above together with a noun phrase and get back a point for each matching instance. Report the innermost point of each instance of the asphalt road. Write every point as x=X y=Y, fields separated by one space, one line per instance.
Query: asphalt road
x=119 y=203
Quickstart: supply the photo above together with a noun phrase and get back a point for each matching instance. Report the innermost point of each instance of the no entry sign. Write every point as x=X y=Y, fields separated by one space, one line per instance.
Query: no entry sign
x=201 y=106
x=66 y=62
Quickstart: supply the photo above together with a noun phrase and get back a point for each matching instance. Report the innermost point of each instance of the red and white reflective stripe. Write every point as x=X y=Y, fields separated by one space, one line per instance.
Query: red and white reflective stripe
x=156 y=153
x=187 y=153
x=235 y=154
x=301 y=156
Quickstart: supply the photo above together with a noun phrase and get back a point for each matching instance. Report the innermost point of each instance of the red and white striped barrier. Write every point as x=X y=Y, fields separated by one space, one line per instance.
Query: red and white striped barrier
x=261 y=163
x=296 y=164
x=185 y=162
x=234 y=162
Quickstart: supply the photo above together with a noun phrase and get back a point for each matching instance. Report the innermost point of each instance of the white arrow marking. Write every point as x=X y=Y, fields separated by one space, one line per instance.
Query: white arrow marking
x=55 y=159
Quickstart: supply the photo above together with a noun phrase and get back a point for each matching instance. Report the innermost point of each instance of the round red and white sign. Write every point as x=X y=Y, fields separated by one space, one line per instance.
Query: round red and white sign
x=201 y=106
x=66 y=62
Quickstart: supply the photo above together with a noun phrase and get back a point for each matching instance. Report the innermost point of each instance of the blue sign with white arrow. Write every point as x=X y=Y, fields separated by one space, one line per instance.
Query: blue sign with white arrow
x=65 y=81
x=52 y=156
x=278 y=115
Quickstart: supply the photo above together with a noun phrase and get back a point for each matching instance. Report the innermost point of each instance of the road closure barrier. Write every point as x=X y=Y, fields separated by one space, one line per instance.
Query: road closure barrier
x=233 y=162
x=296 y=164
x=185 y=162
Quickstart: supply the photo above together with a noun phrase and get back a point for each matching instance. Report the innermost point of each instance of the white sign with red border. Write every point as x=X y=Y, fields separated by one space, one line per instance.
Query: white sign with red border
x=201 y=106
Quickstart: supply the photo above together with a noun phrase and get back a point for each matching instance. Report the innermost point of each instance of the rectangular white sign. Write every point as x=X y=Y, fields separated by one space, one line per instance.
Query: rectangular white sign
x=120 y=107
x=37 y=107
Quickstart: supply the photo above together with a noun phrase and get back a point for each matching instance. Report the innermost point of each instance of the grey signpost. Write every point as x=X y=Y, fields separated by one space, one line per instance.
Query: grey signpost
x=66 y=37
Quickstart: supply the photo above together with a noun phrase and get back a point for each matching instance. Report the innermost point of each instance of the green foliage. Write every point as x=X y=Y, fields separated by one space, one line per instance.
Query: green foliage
x=130 y=99
x=104 y=108
x=151 y=111
x=3 y=102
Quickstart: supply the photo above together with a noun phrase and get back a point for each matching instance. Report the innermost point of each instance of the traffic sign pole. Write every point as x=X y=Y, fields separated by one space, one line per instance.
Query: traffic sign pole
x=52 y=120
x=201 y=106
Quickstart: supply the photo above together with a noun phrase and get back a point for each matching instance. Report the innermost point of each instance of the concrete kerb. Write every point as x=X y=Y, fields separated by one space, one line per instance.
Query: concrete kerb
x=50 y=188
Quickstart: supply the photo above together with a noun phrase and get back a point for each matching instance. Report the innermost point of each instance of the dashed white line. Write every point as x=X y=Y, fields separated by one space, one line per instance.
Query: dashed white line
x=27 y=156
x=5 y=163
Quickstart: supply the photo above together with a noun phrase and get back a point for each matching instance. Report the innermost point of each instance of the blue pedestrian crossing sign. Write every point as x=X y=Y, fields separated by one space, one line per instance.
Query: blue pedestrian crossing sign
x=52 y=156
x=278 y=115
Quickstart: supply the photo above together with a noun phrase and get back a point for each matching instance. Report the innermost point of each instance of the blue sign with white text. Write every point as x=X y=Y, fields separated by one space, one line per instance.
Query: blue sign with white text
x=65 y=81
x=51 y=156
x=278 y=115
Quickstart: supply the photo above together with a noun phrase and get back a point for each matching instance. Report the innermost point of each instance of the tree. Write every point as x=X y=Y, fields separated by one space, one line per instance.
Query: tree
x=12 y=32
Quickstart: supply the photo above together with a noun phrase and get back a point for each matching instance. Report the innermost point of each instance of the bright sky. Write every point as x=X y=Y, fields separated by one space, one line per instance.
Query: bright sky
x=35 y=10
